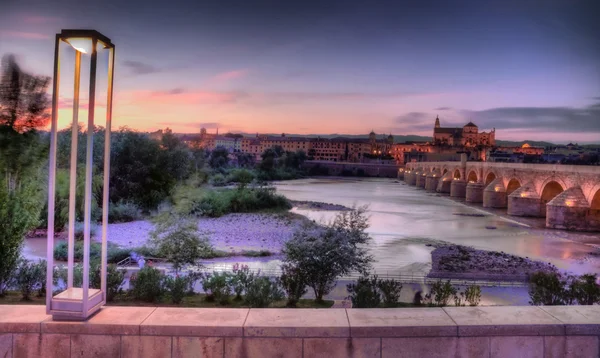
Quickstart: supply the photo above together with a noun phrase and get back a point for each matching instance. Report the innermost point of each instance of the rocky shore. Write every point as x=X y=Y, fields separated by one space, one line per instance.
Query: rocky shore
x=229 y=233
x=461 y=262
x=315 y=205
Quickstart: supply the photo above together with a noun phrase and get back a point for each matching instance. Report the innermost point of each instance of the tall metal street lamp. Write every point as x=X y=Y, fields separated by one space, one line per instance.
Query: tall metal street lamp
x=78 y=303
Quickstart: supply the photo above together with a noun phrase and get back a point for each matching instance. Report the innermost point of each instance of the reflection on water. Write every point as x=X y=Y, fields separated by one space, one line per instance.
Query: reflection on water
x=404 y=219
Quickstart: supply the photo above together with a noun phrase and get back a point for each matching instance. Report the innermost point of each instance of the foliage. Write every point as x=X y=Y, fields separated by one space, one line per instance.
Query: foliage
x=241 y=176
x=241 y=279
x=114 y=281
x=217 y=286
x=218 y=179
x=241 y=200
x=177 y=287
x=546 y=289
x=390 y=291
x=123 y=212
x=365 y=292
x=30 y=277
x=177 y=239
x=114 y=252
x=555 y=289
x=139 y=170
x=325 y=253
x=473 y=295
x=293 y=283
x=148 y=284
x=262 y=292
x=441 y=293
x=219 y=158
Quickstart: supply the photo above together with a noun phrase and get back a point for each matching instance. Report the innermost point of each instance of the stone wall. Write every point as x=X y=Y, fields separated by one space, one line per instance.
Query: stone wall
x=354 y=169
x=553 y=331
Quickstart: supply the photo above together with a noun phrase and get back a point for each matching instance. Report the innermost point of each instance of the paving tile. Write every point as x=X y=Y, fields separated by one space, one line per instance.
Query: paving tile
x=41 y=345
x=6 y=345
x=96 y=346
x=297 y=323
x=249 y=347
x=145 y=346
x=400 y=322
x=342 y=347
x=516 y=347
x=578 y=320
x=109 y=320
x=206 y=322
x=504 y=321
x=22 y=318
x=419 y=347
x=198 y=347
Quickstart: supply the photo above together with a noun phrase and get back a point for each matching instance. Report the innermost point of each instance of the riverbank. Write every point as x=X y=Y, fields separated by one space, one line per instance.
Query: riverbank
x=461 y=262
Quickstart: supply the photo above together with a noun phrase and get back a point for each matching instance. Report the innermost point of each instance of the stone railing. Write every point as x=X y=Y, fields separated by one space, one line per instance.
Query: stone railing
x=557 y=331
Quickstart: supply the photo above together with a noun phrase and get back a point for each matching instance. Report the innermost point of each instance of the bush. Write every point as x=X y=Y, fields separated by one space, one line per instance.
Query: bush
x=293 y=283
x=114 y=281
x=114 y=253
x=218 y=179
x=31 y=277
x=148 y=284
x=473 y=295
x=177 y=287
x=390 y=291
x=217 y=287
x=365 y=292
x=262 y=292
x=442 y=292
x=241 y=176
x=216 y=203
x=585 y=290
x=123 y=212
x=546 y=289
x=241 y=279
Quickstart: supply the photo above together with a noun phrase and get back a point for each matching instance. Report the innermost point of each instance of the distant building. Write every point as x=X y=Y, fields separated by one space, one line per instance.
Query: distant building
x=467 y=136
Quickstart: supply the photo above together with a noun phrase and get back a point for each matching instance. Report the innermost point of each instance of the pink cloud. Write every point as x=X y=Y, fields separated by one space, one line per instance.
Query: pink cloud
x=24 y=35
x=231 y=75
x=37 y=19
x=183 y=97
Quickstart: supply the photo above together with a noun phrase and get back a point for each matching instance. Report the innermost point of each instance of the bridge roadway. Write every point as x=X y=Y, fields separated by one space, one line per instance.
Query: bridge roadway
x=568 y=196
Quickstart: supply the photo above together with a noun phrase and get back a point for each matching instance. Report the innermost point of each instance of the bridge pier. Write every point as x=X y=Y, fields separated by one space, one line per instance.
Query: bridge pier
x=400 y=175
x=474 y=193
x=525 y=201
x=431 y=181
x=568 y=210
x=410 y=177
x=421 y=179
x=458 y=189
x=494 y=195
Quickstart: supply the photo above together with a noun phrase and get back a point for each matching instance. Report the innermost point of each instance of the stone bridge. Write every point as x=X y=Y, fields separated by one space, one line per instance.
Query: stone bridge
x=568 y=196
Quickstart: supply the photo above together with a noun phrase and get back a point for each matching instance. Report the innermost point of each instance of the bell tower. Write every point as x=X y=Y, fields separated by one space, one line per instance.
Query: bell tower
x=437 y=122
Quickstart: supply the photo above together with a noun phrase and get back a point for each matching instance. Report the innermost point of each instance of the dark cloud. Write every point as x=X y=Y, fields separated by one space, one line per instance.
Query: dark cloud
x=443 y=108
x=177 y=90
x=140 y=68
x=552 y=119
x=211 y=125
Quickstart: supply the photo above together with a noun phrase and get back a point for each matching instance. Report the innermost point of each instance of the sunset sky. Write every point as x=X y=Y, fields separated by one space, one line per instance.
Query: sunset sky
x=531 y=69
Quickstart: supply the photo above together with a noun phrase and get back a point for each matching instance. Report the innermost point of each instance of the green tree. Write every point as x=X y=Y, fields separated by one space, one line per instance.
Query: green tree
x=219 y=158
x=177 y=239
x=23 y=104
x=325 y=253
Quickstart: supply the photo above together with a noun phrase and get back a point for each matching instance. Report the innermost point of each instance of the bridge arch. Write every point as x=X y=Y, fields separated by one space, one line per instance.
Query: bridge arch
x=472 y=177
x=456 y=174
x=489 y=178
x=513 y=184
x=445 y=171
x=550 y=190
x=595 y=202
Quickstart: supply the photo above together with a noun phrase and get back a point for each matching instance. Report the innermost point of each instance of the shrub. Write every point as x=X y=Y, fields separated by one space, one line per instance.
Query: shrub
x=390 y=291
x=177 y=240
x=365 y=292
x=123 y=212
x=114 y=281
x=325 y=253
x=148 y=284
x=217 y=287
x=262 y=292
x=30 y=277
x=441 y=292
x=114 y=253
x=218 y=179
x=585 y=290
x=293 y=283
x=79 y=228
x=177 y=288
x=241 y=176
x=473 y=295
x=546 y=289
x=241 y=279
